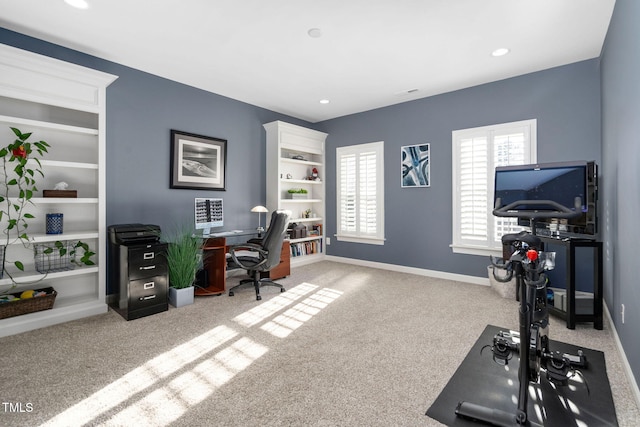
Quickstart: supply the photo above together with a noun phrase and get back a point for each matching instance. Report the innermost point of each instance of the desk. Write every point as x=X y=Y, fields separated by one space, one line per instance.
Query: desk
x=215 y=248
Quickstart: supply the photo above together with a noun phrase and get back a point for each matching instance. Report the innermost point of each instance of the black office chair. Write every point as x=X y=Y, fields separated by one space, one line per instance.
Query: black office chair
x=265 y=255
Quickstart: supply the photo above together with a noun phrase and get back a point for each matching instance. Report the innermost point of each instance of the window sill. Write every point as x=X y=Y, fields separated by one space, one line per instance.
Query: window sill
x=475 y=250
x=354 y=239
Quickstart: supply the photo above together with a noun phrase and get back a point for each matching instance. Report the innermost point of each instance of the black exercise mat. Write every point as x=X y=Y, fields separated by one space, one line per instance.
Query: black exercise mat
x=481 y=381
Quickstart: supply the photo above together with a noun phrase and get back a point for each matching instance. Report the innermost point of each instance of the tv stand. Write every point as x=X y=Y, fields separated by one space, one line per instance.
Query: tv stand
x=570 y=315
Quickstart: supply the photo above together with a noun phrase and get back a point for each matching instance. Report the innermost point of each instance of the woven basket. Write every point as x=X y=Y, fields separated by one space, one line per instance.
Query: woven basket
x=30 y=305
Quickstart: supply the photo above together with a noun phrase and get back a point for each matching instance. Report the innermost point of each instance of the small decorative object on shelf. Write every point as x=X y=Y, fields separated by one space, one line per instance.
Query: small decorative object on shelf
x=60 y=190
x=297 y=193
x=54 y=223
x=314 y=175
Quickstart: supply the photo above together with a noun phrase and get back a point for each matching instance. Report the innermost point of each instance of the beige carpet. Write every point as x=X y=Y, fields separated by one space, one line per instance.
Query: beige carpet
x=344 y=346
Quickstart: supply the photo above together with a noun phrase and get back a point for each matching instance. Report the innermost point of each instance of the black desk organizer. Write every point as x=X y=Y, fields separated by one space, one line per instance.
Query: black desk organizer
x=138 y=269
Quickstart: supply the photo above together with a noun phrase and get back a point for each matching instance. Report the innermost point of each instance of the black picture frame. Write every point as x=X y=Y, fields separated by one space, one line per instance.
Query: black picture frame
x=198 y=162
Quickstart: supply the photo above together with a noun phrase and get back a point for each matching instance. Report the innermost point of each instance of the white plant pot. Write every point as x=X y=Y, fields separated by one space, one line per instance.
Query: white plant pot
x=181 y=297
x=297 y=196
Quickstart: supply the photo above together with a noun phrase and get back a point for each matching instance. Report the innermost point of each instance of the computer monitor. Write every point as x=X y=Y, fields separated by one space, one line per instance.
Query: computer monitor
x=208 y=214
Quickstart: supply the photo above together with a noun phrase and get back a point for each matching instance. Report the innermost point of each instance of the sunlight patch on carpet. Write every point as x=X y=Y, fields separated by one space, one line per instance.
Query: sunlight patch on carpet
x=143 y=377
x=267 y=309
x=282 y=325
x=163 y=389
x=170 y=402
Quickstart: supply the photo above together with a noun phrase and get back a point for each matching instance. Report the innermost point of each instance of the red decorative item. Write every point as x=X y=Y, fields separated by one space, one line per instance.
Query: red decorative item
x=20 y=152
x=532 y=254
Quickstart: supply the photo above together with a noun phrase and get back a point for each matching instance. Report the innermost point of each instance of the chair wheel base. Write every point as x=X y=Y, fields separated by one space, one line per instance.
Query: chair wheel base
x=231 y=293
x=282 y=290
x=258 y=298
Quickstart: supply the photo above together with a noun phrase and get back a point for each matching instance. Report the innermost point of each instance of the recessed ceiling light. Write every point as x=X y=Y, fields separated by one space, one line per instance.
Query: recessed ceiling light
x=324 y=101
x=315 y=33
x=78 y=4
x=500 y=52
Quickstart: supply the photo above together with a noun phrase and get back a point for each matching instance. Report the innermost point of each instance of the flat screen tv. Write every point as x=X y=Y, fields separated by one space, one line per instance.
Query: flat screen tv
x=572 y=185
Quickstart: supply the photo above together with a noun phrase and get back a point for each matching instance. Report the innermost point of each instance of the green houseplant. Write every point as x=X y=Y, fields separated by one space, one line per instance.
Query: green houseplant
x=19 y=169
x=184 y=257
x=20 y=165
x=297 y=193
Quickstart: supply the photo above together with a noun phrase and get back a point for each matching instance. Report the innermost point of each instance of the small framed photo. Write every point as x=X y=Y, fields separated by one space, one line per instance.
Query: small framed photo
x=197 y=162
x=416 y=166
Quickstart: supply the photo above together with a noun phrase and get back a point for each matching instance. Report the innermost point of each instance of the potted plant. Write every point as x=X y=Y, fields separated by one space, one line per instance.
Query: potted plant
x=17 y=188
x=297 y=193
x=184 y=257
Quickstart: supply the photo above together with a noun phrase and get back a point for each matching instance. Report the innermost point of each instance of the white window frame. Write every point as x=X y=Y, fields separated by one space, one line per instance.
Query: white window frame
x=488 y=246
x=359 y=236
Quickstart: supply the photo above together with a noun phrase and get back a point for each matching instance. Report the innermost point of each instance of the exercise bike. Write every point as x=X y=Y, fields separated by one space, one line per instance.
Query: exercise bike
x=532 y=342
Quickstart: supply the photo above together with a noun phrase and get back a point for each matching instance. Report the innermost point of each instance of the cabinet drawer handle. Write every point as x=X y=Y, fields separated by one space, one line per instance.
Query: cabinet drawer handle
x=149 y=285
x=147 y=298
x=149 y=255
x=148 y=267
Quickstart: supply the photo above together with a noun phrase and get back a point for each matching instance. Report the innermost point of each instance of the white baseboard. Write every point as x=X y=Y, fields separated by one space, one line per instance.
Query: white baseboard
x=627 y=367
x=412 y=270
x=485 y=282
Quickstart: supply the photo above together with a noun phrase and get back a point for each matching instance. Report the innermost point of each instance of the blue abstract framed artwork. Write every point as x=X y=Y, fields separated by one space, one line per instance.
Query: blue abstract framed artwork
x=416 y=166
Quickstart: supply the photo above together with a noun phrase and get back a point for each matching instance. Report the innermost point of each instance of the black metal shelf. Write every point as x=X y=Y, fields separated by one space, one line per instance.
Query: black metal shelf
x=570 y=314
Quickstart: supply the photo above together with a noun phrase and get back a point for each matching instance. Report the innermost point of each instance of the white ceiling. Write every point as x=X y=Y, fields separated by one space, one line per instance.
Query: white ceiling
x=370 y=54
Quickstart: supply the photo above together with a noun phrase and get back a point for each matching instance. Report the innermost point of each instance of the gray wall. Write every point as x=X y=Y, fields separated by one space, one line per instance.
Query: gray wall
x=620 y=189
x=564 y=100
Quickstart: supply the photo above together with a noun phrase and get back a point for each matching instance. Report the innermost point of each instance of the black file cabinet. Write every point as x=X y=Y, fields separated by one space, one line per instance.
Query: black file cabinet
x=140 y=271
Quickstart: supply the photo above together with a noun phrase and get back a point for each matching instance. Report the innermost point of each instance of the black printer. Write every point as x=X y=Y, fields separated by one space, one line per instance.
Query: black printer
x=138 y=272
x=133 y=234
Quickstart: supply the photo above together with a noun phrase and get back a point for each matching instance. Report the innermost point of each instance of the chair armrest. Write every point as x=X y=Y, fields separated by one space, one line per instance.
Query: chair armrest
x=262 y=254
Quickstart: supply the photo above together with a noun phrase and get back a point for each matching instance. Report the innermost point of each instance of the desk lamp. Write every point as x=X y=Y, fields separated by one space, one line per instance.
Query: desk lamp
x=259 y=210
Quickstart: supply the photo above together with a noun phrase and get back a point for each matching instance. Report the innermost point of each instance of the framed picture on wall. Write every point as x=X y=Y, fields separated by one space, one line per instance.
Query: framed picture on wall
x=416 y=166
x=197 y=162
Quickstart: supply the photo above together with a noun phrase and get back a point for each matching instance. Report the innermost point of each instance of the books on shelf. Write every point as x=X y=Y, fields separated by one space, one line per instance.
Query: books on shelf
x=306 y=248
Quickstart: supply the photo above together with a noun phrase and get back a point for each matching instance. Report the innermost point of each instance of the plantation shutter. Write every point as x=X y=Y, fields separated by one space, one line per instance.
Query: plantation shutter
x=348 y=194
x=360 y=193
x=476 y=153
x=473 y=188
x=368 y=201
